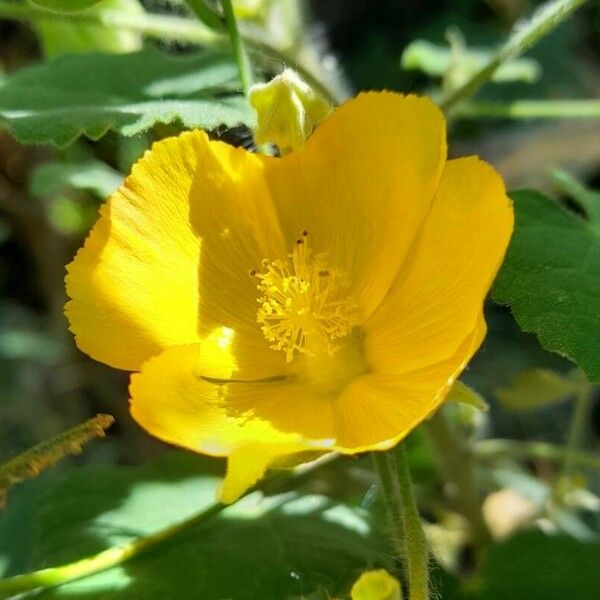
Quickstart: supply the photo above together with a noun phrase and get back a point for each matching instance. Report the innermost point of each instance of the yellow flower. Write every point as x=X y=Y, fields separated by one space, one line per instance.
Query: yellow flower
x=376 y=585
x=322 y=301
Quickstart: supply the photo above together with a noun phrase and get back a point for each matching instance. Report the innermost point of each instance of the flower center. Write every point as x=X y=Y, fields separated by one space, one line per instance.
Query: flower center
x=304 y=304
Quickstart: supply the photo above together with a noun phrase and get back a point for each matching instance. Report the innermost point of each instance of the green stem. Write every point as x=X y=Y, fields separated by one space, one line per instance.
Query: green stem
x=54 y=576
x=205 y=14
x=176 y=29
x=239 y=52
x=523 y=37
x=164 y=27
x=416 y=548
x=48 y=578
x=494 y=448
x=530 y=109
x=387 y=469
x=458 y=468
x=576 y=428
x=394 y=474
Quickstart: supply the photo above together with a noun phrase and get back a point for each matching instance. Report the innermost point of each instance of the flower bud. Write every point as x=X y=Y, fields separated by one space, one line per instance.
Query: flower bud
x=250 y=9
x=288 y=110
x=376 y=585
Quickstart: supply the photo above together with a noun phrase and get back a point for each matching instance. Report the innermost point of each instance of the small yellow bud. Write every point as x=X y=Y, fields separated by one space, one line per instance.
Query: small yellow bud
x=250 y=9
x=288 y=110
x=376 y=585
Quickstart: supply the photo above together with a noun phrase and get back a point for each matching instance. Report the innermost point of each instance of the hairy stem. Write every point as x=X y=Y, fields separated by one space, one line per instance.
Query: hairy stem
x=394 y=474
x=458 y=468
x=523 y=37
x=32 y=462
x=387 y=469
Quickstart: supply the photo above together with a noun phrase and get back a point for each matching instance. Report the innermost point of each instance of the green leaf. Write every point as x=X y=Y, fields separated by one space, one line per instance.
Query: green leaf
x=550 y=278
x=535 y=566
x=506 y=352
x=89 y=94
x=463 y=394
x=53 y=178
x=586 y=199
x=435 y=60
x=538 y=387
x=272 y=547
x=63 y=36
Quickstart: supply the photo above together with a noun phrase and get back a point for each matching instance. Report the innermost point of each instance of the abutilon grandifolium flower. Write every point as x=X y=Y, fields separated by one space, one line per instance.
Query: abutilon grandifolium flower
x=323 y=301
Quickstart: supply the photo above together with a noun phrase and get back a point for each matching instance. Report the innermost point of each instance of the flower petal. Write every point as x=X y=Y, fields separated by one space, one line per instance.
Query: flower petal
x=245 y=467
x=376 y=411
x=438 y=294
x=362 y=186
x=134 y=284
x=176 y=403
x=255 y=423
x=233 y=213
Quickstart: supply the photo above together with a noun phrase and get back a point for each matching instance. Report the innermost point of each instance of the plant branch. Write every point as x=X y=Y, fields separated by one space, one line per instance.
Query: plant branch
x=523 y=37
x=493 y=448
x=48 y=578
x=210 y=18
x=530 y=109
x=32 y=462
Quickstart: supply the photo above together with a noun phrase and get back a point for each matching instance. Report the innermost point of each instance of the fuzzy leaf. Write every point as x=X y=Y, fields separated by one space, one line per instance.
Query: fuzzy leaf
x=535 y=566
x=260 y=548
x=537 y=387
x=89 y=94
x=550 y=278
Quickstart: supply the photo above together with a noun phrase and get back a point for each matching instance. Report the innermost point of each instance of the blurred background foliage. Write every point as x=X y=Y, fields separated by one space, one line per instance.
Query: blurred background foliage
x=48 y=201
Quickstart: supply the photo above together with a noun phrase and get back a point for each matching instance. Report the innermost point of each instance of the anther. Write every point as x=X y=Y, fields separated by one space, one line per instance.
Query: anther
x=304 y=306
